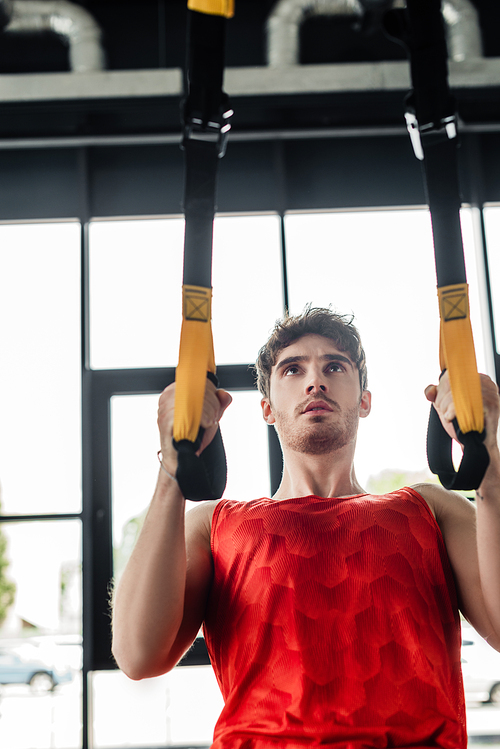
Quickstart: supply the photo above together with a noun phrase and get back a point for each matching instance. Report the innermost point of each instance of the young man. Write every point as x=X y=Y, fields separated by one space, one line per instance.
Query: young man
x=331 y=616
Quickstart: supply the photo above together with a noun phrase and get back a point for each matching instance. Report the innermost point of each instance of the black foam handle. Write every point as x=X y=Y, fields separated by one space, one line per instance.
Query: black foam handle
x=475 y=459
x=202 y=476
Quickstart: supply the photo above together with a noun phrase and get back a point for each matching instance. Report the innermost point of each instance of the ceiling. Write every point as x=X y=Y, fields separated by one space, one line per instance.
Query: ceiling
x=149 y=36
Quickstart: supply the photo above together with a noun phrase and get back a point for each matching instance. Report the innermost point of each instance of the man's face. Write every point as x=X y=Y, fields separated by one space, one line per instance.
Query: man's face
x=315 y=398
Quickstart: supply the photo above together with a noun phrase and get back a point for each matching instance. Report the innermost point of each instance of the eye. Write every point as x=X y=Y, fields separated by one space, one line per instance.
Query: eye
x=335 y=366
x=291 y=370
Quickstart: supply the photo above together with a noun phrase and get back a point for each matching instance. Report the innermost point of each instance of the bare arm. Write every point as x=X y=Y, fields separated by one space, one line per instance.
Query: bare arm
x=160 y=602
x=472 y=534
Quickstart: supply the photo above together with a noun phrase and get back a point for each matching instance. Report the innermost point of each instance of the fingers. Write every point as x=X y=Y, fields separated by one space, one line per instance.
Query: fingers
x=225 y=399
x=441 y=397
x=491 y=393
x=431 y=393
x=491 y=405
x=215 y=403
x=165 y=426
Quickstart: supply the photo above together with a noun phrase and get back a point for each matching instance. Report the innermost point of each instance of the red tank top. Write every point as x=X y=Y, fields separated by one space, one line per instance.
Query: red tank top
x=334 y=622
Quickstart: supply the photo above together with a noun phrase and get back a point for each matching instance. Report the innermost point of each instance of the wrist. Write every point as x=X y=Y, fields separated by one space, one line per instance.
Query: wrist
x=491 y=480
x=166 y=468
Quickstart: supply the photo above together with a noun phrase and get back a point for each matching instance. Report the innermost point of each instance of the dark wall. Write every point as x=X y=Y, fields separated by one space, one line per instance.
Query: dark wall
x=254 y=176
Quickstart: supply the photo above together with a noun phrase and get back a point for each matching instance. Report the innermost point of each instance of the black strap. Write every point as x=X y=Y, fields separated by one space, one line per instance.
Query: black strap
x=205 y=120
x=201 y=171
x=432 y=123
x=206 y=115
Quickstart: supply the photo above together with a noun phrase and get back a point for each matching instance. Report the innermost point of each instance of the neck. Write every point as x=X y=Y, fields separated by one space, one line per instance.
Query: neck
x=330 y=475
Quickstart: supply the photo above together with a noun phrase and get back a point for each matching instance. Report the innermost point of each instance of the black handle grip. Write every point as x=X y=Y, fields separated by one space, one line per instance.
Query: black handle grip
x=202 y=476
x=475 y=459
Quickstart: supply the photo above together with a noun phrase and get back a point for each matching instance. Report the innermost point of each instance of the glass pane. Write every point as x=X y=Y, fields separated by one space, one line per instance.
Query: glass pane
x=136 y=280
x=135 y=292
x=379 y=266
x=40 y=635
x=247 y=282
x=492 y=225
x=481 y=674
x=40 y=401
x=135 y=442
x=178 y=709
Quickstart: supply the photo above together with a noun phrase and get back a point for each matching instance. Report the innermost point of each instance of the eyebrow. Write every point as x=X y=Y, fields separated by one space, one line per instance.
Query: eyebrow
x=325 y=357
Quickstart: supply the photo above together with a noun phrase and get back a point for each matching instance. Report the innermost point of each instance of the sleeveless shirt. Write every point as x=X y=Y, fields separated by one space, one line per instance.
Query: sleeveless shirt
x=334 y=622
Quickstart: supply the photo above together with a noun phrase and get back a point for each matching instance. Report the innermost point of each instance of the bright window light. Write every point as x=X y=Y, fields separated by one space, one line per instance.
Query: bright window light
x=40 y=373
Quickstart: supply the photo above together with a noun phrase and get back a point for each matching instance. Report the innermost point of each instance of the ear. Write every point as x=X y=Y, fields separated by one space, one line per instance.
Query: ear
x=365 y=405
x=267 y=413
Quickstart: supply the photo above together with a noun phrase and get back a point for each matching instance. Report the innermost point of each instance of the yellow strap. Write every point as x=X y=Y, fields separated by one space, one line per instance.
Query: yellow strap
x=196 y=357
x=458 y=356
x=213 y=7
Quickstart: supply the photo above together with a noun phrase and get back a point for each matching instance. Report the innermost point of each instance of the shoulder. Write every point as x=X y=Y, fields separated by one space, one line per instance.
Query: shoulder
x=199 y=523
x=446 y=506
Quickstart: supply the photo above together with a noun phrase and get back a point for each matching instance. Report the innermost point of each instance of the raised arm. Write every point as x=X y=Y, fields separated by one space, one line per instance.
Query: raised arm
x=159 y=604
x=472 y=534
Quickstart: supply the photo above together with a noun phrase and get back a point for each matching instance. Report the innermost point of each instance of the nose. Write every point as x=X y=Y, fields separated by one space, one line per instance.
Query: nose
x=315 y=387
x=316 y=384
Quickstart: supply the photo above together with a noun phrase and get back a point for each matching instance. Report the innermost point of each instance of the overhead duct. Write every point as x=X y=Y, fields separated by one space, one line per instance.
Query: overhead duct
x=69 y=21
x=463 y=32
x=283 y=26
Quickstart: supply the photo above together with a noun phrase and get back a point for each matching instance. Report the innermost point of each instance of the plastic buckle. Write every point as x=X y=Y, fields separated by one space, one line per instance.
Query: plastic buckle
x=211 y=132
x=414 y=133
x=448 y=126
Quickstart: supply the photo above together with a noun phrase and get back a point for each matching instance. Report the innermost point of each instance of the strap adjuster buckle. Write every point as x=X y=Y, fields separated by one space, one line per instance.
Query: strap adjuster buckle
x=211 y=132
x=446 y=128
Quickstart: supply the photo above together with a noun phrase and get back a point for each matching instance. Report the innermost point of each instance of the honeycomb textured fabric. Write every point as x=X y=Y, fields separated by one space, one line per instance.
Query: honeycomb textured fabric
x=334 y=622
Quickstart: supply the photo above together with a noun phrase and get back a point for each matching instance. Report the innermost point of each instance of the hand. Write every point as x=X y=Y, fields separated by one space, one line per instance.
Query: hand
x=440 y=396
x=214 y=405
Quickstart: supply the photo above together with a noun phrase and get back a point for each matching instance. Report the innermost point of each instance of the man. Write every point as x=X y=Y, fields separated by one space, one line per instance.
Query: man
x=331 y=616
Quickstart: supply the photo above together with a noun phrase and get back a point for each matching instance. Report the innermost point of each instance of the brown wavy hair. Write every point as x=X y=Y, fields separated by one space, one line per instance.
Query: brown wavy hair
x=313 y=321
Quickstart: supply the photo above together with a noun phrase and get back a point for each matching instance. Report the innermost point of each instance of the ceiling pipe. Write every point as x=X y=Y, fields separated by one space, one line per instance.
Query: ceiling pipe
x=68 y=20
x=283 y=26
x=463 y=32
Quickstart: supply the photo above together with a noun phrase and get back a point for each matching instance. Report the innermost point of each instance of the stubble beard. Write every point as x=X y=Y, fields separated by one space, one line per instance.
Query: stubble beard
x=322 y=436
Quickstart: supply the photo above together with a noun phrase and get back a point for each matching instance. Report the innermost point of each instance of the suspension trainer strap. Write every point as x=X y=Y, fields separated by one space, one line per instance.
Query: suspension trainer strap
x=205 y=119
x=432 y=123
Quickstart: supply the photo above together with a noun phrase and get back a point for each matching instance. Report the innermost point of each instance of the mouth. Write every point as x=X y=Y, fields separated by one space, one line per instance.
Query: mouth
x=317 y=407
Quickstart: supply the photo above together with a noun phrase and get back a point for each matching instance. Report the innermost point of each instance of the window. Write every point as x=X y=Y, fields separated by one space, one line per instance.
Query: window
x=40 y=399
x=177 y=709
x=40 y=477
x=40 y=639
